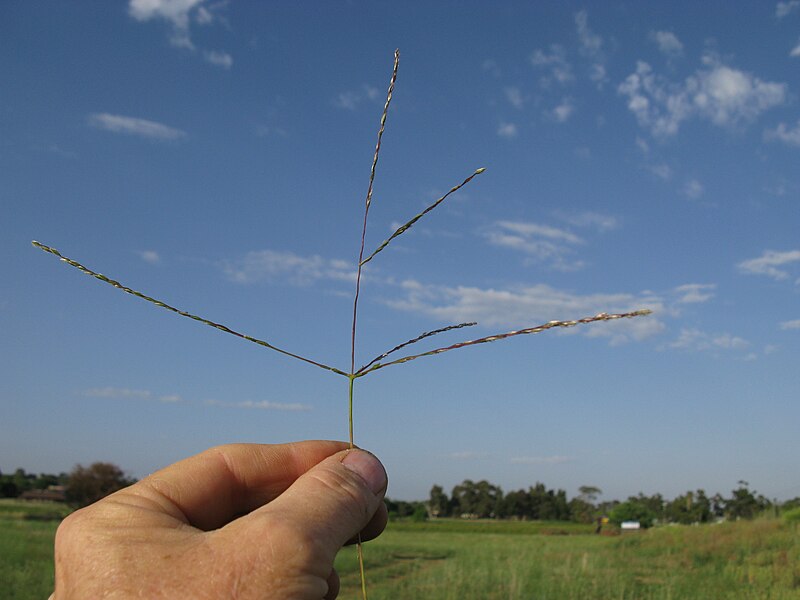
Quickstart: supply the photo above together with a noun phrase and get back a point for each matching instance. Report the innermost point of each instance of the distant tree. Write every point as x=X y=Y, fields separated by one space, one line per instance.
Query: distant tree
x=632 y=510
x=581 y=511
x=44 y=481
x=691 y=507
x=22 y=481
x=791 y=504
x=744 y=504
x=589 y=493
x=515 y=505
x=481 y=499
x=438 y=502
x=90 y=484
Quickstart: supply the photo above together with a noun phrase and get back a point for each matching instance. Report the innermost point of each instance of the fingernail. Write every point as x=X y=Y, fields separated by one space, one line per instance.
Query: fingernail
x=368 y=468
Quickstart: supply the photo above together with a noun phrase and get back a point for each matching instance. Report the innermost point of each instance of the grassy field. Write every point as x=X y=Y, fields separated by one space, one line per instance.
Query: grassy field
x=489 y=560
x=26 y=548
x=531 y=561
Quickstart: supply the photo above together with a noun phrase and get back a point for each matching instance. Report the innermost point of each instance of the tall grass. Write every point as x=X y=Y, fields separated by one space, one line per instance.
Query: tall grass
x=26 y=548
x=743 y=560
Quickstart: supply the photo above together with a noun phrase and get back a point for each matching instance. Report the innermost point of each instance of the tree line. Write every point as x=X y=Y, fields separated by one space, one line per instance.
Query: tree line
x=469 y=499
x=482 y=500
x=80 y=487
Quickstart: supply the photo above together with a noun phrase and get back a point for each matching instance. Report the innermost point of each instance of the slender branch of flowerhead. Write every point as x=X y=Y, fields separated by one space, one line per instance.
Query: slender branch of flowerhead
x=389 y=93
x=403 y=228
x=419 y=338
x=502 y=336
x=182 y=313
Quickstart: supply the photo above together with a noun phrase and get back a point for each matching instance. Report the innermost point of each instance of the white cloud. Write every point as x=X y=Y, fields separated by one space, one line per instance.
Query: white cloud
x=661 y=171
x=180 y=14
x=541 y=460
x=693 y=189
x=667 y=42
x=150 y=256
x=563 y=111
x=721 y=94
x=507 y=130
x=697 y=340
x=597 y=73
x=785 y=133
x=134 y=126
x=785 y=8
x=591 y=219
x=261 y=405
x=795 y=52
x=556 y=62
x=526 y=306
x=271 y=265
x=514 y=97
x=219 y=59
x=591 y=43
x=176 y=12
x=540 y=243
x=795 y=324
x=768 y=263
x=115 y=392
x=351 y=99
x=693 y=293
x=591 y=46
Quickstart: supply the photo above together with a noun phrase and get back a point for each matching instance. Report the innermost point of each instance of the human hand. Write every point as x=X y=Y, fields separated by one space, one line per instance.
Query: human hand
x=240 y=521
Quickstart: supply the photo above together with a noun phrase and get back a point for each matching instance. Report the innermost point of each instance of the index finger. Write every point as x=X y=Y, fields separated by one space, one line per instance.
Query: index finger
x=214 y=487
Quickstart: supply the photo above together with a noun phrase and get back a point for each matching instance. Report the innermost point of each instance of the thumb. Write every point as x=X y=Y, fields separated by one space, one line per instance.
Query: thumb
x=324 y=508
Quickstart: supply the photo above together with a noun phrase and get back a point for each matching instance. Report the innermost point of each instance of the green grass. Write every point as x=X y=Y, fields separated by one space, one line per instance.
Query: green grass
x=488 y=560
x=27 y=530
x=745 y=560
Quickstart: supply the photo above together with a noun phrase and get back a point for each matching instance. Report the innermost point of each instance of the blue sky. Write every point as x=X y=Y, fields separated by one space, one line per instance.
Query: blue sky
x=216 y=155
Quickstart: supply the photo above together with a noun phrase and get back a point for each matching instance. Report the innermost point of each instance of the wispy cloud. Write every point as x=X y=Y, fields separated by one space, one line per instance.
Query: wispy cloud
x=698 y=341
x=668 y=43
x=785 y=133
x=522 y=306
x=515 y=97
x=539 y=242
x=507 y=130
x=721 y=94
x=150 y=256
x=693 y=189
x=261 y=405
x=563 y=110
x=592 y=220
x=134 y=126
x=795 y=324
x=783 y=9
x=352 y=99
x=693 y=293
x=273 y=265
x=555 y=63
x=129 y=394
x=795 y=52
x=661 y=171
x=541 y=460
x=591 y=46
x=179 y=15
x=219 y=59
x=769 y=262
x=591 y=43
